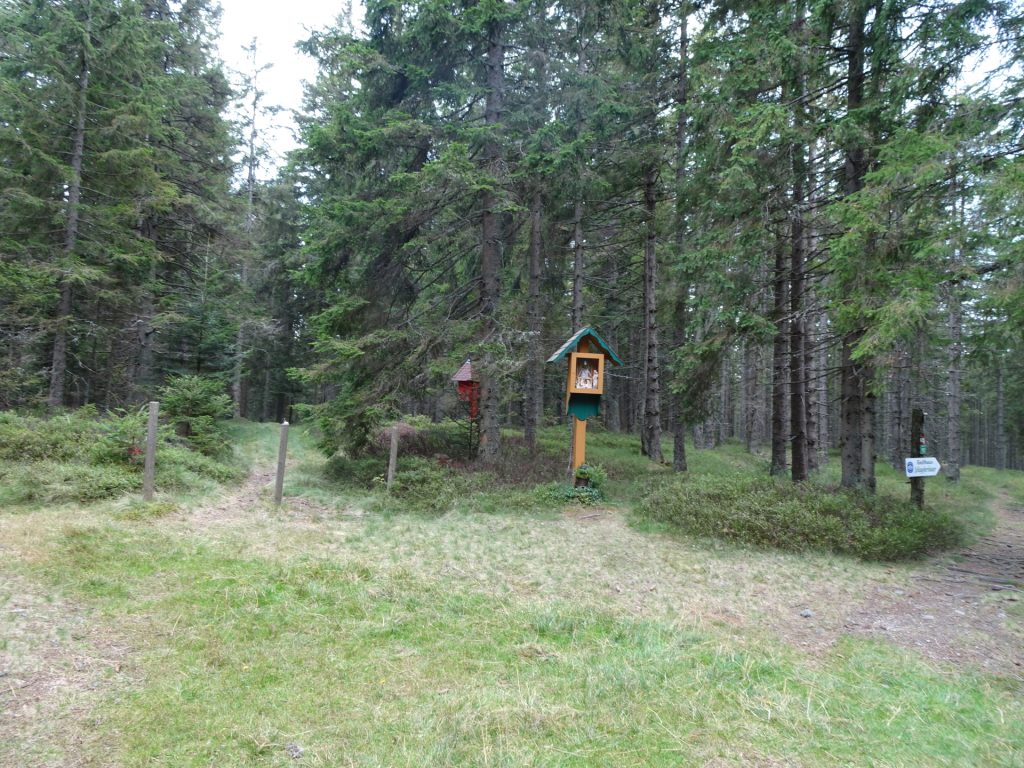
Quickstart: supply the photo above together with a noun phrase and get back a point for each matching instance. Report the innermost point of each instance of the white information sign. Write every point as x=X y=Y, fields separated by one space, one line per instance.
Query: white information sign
x=923 y=467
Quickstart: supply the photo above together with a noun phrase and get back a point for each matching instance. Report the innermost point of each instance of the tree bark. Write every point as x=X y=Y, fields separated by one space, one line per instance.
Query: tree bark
x=59 y=361
x=682 y=313
x=951 y=466
x=534 y=322
x=490 y=262
x=651 y=435
x=797 y=359
x=851 y=408
x=798 y=257
x=868 y=451
x=727 y=404
x=824 y=405
x=751 y=397
x=577 y=266
x=1000 y=425
x=857 y=418
x=778 y=462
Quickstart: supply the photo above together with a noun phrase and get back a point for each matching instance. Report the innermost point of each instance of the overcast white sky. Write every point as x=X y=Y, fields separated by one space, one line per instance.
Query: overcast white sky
x=277 y=25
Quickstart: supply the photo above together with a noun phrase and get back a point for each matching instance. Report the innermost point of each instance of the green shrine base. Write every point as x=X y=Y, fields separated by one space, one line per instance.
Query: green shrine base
x=584 y=407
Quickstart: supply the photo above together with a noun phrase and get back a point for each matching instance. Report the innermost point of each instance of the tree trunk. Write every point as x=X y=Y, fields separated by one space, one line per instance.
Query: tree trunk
x=798 y=257
x=797 y=359
x=59 y=364
x=679 y=463
x=1000 y=425
x=851 y=408
x=727 y=411
x=577 y=266
x=490 y=262
x=951 y=466
x=814 y=338
x=868 y=452
x=778 y=464
x=534 y=322
x=825 y=407
x=237 y=389
x=857 y=418
x=651 y=436
x=615 y=386
x=751 y=397
x=142 y=376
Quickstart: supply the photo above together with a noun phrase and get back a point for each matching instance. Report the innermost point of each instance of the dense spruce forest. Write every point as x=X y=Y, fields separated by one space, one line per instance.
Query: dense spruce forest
x=795 y=222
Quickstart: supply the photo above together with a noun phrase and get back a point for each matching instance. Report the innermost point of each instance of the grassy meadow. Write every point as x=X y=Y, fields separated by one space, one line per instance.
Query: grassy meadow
x=498 y=627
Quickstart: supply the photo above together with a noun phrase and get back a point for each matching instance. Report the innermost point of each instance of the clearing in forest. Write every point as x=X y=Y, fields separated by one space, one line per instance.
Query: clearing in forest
x=225 y=632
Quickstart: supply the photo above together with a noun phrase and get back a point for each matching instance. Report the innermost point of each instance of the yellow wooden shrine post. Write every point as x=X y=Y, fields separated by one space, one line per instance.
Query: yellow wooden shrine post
x=586 y=352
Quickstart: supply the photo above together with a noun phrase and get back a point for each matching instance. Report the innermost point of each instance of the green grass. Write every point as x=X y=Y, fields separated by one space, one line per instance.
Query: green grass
x=368 y=665
x=496 y=634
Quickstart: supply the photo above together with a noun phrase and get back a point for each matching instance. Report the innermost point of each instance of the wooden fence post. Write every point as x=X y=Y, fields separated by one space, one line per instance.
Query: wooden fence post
x=149 y=470
x=282 y=453
x=393 y=458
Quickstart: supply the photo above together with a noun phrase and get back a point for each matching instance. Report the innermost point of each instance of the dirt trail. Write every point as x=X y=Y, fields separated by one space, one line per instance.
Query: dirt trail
x=952 y=610
x=956 y=609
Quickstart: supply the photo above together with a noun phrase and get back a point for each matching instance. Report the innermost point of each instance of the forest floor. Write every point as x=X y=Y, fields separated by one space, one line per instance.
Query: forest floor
x=229 y=632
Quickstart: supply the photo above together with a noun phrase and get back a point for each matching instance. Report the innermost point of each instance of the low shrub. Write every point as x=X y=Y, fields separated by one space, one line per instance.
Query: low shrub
x=421 y=486
x=52 y=482
x=355 y=473
x=180 y=467
x=768 y=513
x=559 y=493
x=79 y=456
x=419 y=437
x=60 y=438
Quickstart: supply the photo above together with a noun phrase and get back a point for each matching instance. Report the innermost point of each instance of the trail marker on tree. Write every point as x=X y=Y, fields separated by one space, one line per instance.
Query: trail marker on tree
x=587 y=353
x=919 y=467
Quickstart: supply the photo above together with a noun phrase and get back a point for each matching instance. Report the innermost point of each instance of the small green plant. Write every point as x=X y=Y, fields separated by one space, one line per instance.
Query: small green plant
x=595 y=474
x=586 y=495
x=121 y=440
x=195 y=404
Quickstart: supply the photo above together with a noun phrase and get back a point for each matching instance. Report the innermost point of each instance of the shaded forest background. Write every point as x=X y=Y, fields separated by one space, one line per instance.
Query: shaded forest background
x=795 y=222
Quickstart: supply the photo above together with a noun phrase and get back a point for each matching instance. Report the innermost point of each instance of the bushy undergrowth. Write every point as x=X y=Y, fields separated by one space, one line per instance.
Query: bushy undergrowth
x=80 y=456
x=559 y=493
x=196 y=405
x=764 y=512
x=421 y=485
x=418 y=436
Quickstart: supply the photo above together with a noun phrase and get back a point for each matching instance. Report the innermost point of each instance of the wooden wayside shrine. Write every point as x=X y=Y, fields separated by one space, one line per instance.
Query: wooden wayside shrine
x=587 y=354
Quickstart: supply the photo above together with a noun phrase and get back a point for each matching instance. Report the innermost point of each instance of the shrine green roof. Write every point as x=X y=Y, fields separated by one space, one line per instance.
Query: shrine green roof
x=576 y=338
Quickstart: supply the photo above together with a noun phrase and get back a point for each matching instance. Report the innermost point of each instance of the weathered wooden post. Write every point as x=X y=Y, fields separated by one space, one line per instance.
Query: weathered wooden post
x=587 y=353
x=393 y=457
x=918 y=447
x=282 y=455
x=149 y=468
